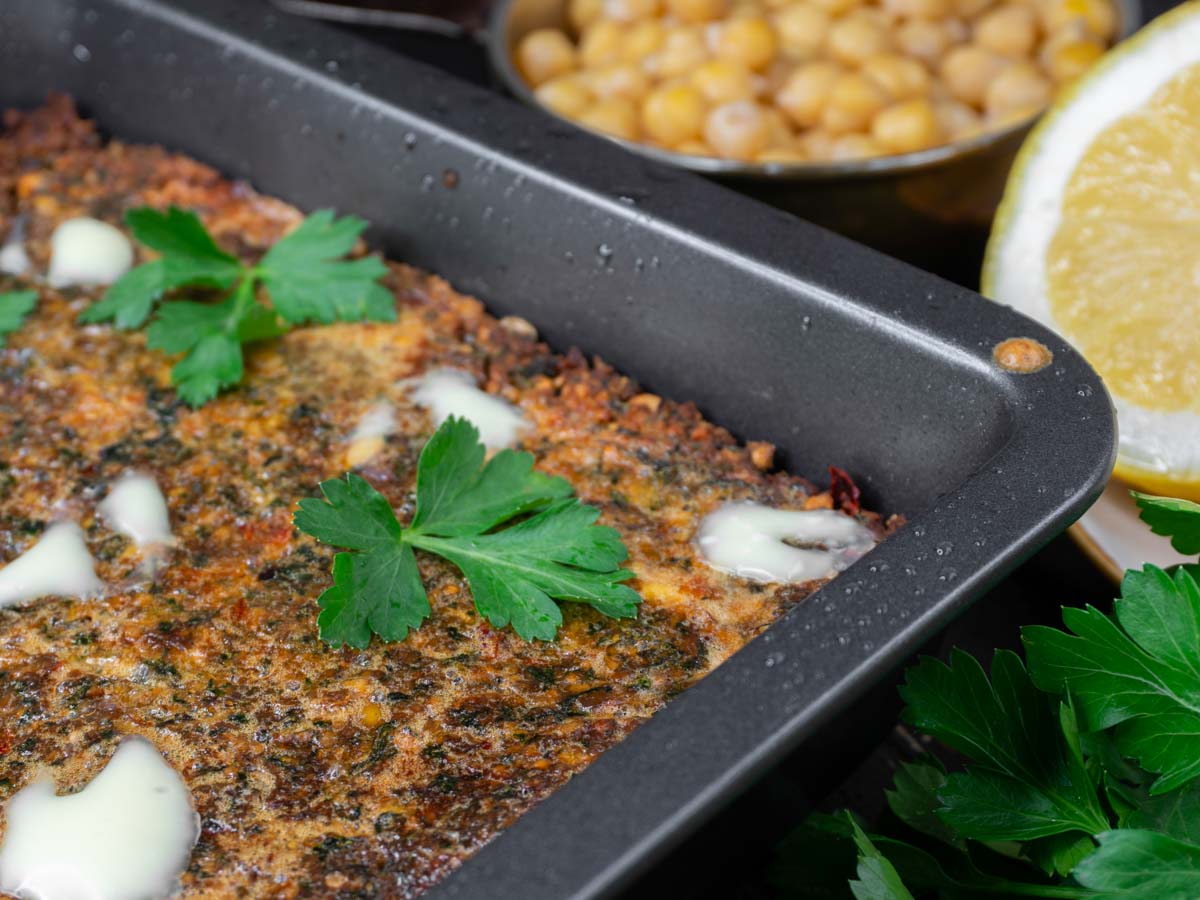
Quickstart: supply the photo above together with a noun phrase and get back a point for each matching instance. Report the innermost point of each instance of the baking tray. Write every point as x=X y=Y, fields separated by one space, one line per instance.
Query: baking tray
x=776 y=329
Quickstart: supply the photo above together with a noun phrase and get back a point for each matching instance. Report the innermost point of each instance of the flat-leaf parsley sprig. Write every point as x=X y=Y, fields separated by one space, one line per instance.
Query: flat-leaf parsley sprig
x=466 y=512
x=1083 y=772
x=303 y=273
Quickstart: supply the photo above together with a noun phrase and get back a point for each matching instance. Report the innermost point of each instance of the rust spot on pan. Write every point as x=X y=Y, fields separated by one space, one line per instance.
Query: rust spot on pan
x=1022 y=355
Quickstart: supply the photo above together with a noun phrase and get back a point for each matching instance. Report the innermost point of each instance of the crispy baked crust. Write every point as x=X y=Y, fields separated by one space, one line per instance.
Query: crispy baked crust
x=314 y=770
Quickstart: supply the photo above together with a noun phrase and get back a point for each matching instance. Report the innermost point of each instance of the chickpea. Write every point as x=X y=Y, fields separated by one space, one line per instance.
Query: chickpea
x=855 y=146
x=631 y=10
x=802 y=29
x=853 y=102
x=957 y=30
x=956 y=120
x=566 y=95
x=673 y=115
x=817 y=145
x=617 y=117
x=621 y=80
x=684 y=50
x=601 y=44
x=926 y=41
x=781 y=156
x=738 y=130
x=855 y=39
x=968 y=70
x=697 y=10
x=838 y=7
x=969 y=9
x=804 y=95
x=1008 y=30
x=1017 y=92
x=875 y=14
x=722 y=81
x=780 y=129
x=544 y=54
x=750 y=41
x=1067 y=60
x=644 y=39
x=903 y=78
x=1098 y=15
x=744 y=9
x=907 y=127
x=582 y=13
x=918 y=9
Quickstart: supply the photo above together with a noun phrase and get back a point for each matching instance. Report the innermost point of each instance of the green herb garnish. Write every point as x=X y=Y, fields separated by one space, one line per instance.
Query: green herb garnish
x=1083 y=773
x=1027 y=781
x=15 y=307
x=1137 y=672
x=1177 y=519
x=877 y=878
x=303 y=274
x=516 y=572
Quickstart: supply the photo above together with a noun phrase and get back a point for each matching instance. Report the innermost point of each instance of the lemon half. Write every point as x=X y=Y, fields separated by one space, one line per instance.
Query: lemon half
x=1098 y=237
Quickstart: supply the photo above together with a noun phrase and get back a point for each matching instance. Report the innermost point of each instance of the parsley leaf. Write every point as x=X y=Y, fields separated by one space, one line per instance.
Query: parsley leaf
x=516 y=573
x=1026 y=780
x=1177 y=519
x=307 y=282
x=1140 y=672
x=190 y=258
x=215 y=362
x=377 y=590
x=458 y=494
x=1134 y=864
x=1175 y=814
x=15 y=306
x=913 y=799
x=877 y=878
x=303 y=274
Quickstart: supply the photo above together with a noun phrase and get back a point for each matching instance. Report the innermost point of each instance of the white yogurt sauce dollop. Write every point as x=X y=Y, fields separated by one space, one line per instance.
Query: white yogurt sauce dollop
x=58 y=564
x=747 y=540
x=14 y=260
x=452 y=392
x=87 y=251
x=378 y=422
x=137 y=509
x=128 y=835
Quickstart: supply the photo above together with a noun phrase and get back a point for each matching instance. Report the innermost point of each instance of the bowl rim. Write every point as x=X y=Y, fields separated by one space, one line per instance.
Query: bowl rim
x=1130 y=14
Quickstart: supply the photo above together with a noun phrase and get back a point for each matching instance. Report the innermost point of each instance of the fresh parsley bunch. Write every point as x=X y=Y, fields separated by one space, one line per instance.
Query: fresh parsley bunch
x=1083 y=772
x=518 y=535
x=304 y=275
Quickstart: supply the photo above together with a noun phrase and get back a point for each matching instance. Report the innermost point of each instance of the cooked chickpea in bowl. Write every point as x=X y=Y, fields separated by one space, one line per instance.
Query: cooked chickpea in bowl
x=808 y=81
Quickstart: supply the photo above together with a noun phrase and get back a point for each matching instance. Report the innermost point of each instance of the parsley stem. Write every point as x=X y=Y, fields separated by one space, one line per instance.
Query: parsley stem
x=242 y=298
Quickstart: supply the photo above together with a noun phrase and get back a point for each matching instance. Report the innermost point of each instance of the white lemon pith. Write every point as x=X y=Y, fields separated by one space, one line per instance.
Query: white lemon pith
x=1098 y=237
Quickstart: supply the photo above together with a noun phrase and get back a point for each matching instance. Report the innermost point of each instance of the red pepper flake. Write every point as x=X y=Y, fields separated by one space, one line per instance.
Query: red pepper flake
x=846 y=495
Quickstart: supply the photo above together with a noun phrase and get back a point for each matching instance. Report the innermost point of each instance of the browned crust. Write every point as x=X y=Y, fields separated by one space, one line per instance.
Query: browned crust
x=320 y=771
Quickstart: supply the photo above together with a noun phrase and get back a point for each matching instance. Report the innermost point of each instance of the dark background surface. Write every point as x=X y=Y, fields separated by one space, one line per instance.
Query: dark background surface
x=730 y=856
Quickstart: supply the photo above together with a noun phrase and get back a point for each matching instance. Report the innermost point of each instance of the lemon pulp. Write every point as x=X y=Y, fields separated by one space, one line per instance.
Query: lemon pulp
x=1123 y=268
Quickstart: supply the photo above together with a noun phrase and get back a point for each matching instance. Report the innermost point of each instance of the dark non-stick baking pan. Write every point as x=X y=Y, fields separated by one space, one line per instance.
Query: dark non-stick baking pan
x=776 y=329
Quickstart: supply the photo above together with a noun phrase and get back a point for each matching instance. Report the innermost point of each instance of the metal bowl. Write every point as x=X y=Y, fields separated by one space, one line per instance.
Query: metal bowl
x=932 y=208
